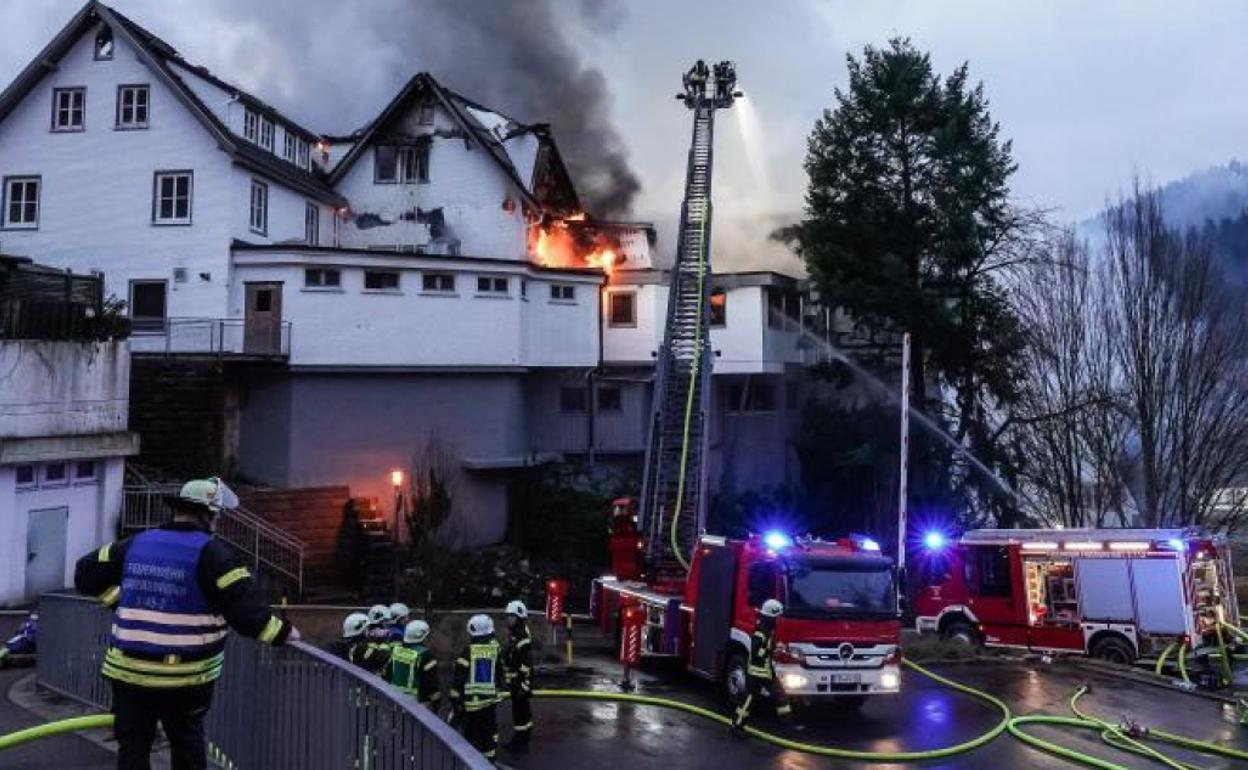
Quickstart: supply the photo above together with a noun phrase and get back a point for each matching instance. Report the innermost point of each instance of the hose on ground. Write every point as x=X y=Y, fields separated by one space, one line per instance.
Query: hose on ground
x=55 y=728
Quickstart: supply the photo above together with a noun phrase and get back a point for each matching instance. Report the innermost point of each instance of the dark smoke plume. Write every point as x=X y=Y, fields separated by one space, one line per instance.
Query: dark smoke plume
x=510 y=55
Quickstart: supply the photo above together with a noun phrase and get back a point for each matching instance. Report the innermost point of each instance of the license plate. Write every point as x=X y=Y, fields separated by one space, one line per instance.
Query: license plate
x=846 y=678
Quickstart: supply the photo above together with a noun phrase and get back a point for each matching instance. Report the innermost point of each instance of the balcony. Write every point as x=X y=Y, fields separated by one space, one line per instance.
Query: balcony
x=259 y=339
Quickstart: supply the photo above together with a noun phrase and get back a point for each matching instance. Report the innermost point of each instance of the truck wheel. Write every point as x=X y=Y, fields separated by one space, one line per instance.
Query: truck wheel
x=960 y=632
x=1113 y=649
x=736 y=680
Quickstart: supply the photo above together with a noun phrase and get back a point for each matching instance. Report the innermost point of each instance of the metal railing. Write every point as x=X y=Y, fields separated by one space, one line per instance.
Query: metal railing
x=266 y=546
x=287 y=707
x=212 y=336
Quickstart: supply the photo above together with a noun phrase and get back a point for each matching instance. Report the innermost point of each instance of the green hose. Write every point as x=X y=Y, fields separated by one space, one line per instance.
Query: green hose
x=1161 y=661
x=1126 y=740
x=55 y=728
x=1183 y=663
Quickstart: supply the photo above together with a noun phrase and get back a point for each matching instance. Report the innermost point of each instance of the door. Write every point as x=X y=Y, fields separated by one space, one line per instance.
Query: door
x=262 y=335
x=45 y=550
x=992 y=573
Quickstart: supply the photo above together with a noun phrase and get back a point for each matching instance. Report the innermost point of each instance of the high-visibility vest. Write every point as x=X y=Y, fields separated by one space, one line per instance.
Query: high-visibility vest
x=165 y=634
x=760 y=665
x=407 y=665
x=481 y=687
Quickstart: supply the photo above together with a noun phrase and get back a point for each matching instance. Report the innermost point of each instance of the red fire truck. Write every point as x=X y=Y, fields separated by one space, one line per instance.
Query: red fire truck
x=1115 y=594
x=839 y=635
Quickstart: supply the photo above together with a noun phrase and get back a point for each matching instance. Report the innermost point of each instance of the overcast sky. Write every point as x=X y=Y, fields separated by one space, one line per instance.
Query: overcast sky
x=1090 y=92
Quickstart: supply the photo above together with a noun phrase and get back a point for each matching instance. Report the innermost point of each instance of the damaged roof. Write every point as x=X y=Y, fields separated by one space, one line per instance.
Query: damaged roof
x=159 y=56
x=486 y=128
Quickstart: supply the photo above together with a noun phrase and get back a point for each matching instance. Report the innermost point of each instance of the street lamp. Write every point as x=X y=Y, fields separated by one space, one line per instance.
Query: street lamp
x=396 y=480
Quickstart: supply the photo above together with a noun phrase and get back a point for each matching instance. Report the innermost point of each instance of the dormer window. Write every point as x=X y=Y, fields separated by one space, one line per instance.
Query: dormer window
x=104 y=43
x=251 y=126
x=266 y=134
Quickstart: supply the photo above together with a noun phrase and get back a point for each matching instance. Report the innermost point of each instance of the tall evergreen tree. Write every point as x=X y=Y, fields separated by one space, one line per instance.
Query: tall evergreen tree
x=908 y=224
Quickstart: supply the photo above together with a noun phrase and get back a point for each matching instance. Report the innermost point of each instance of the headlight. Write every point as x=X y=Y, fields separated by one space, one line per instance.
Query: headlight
x=793 y=681
x=889 y=680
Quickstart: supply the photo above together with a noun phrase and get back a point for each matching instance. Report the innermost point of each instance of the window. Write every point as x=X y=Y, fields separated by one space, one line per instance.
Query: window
x=562 y=292
x=263 y=301
x=610 y=398
x=259 y=218
x=762 y=583
x=311 y=224
x=290 y=148
x=104 y=43
x=438 y=282
x=55 y=474
x=719 y=307
x=991 y=565
x=381 y=280
x=623 y=307
x=573 y=399
x=425 y=116
x=21 y=202
x=321 y=278
x=782 y=307
x=492 y=285
x=132 y=104
x=25 y=476
x=751 y=396
x=415 y=163
x=524 y=289
x=147 y=307
x=304 y=155
x=171 y=198
x=384 y=164
x=69 y=106
x=266 y=134
x=251 y=126
x=85 y=470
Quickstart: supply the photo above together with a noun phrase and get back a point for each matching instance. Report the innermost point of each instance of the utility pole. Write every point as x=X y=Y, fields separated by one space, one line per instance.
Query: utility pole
x=904 y=468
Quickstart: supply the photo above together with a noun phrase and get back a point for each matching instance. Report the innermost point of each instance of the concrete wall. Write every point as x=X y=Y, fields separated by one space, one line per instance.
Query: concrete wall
x=59 y=388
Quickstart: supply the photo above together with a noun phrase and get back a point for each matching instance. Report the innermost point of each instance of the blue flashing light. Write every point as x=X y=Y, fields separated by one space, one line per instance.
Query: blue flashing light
x=867 y=544
x=1177 y=544
x=777 y=540
x=933 y=540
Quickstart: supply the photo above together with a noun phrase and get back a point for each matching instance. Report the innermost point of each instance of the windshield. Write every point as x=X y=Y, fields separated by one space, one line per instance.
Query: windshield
x=837 y=589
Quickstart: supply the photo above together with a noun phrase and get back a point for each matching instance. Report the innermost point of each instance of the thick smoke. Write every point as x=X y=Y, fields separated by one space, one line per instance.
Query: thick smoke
x=513 y=56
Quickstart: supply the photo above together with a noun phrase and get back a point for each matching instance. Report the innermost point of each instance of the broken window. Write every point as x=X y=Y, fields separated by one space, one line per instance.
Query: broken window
x=321 y=278
x=438 y=282
x=171 y=198
x=415 y=163
x=104 y=43
x=384 y=158
x=132 y=105
x=573 y=400
x=623 y=308
x=491 y=285
x=69 y=107
x=610 y=398
x=562 y=292
x=312 y=224
x=719 y=307
x=21 y=201
x=147 y=307
x=381 y=280
x=259 y=219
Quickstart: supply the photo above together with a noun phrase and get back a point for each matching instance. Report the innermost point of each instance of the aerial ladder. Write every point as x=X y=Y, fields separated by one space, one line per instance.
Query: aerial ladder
x=674 y=485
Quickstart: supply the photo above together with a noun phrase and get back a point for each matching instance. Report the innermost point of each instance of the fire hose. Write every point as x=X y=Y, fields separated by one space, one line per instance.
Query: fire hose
x=90 y=722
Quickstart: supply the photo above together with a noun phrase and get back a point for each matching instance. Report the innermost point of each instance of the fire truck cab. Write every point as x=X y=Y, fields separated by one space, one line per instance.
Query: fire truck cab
x=839 y=635
x=1115 y=594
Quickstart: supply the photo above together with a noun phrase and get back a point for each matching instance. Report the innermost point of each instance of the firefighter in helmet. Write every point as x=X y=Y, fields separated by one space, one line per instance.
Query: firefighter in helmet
x=351 y=645
x=475 y=687
x=518 y=665
x=373 y=654
x=399 y=617
x=761 y=671
x=413 y=666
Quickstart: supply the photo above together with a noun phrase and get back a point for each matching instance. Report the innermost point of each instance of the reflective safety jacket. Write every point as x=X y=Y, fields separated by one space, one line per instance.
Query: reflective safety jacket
x=518 y=659
x=762 y=646
x=369 y=655
x=414 y=670
x=476 y=682
x=177 y=591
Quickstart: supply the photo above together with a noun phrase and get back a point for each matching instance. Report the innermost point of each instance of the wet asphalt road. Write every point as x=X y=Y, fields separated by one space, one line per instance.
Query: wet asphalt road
x=926 y=715
x=57 y=753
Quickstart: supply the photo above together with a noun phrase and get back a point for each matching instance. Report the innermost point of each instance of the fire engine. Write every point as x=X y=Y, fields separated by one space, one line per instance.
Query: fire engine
x=1114 y=594
x=839 y=635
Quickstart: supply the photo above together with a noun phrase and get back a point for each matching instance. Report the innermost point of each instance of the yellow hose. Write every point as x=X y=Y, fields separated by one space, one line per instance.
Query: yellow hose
x=55 y=728
x=1127 y=740
x=1161 y=661
x=1183 y=663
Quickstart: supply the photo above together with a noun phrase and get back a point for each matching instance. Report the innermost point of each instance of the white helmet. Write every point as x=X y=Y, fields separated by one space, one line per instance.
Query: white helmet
x=416 y=632
x=399 y=611
x=480 y=625
x=378 y=614
x=354 y=624
x=212 y=493
x=772 y=608
x=516 y=608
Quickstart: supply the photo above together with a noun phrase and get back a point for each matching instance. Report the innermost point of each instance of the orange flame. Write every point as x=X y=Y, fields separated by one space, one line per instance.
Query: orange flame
x=555 y=244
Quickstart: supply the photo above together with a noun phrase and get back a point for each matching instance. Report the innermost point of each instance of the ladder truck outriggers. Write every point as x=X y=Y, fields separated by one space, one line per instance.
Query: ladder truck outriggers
x=839 y=636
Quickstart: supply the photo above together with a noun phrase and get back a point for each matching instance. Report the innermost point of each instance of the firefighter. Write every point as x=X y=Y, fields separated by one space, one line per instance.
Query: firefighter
x=351 y=646
x=399 y=617
x=475 y=688
x=760 y=671
x=518 y=665
x=177 y=591
x=373 y=652
x=413 y=666
x=695 y=80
